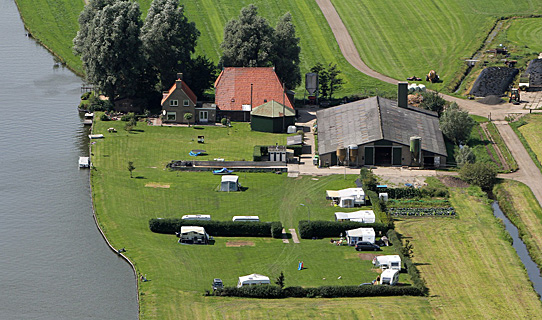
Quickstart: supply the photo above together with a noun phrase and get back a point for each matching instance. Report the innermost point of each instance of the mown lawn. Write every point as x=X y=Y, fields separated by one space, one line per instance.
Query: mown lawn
x=527 y=33
x=180 y=274
x=532 y=132
x=521 y=207
x=405 y=38
x=469 y=265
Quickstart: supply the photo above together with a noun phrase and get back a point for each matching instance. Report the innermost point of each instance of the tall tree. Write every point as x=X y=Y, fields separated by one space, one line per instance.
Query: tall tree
x=201 y=74
x=169 y=40
x=433 y=101
x=248 y=41
x=286 y=52
x=110 y=47
x=335 y=80
x=456 y=124
x=323 y=78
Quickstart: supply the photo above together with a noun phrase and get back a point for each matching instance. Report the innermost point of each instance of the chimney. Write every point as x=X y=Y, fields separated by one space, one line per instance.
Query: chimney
x=402 y=94
x=179 y=76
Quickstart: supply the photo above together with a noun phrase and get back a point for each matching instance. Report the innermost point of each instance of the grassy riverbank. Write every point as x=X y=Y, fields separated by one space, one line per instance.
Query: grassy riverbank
x=469 y=265
x=529 y=131
x=521 y=207
x=462 y=271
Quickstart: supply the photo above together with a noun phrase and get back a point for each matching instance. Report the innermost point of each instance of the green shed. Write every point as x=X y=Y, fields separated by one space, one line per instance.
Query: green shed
x=272 y=117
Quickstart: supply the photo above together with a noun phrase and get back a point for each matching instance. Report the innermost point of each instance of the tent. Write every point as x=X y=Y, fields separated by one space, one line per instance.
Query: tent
x=193 y=235
x=252 y=279
x=360 y=234
x=388 y=262
x=229 y=183
x=347 y=198
x=365 y=216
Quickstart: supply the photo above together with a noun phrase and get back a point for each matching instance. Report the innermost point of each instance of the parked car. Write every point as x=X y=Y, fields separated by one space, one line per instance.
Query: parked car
x=217 y=284
x=366 y=246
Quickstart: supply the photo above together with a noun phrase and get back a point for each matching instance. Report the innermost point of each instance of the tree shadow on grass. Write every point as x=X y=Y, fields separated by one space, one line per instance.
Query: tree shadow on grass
x=140 y=177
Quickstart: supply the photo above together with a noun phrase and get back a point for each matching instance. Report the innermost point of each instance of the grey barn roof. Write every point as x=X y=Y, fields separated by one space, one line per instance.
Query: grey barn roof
x=374 y=119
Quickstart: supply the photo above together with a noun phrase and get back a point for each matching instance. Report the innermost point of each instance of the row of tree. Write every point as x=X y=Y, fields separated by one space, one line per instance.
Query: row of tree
x=124 y=56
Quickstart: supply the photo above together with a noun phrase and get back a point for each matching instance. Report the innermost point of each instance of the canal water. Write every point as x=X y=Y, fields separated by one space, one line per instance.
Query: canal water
x=521 y=249
x=54 y=264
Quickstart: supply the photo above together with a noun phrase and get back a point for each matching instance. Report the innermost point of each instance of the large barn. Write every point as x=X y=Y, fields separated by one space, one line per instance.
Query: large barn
x=381 y=132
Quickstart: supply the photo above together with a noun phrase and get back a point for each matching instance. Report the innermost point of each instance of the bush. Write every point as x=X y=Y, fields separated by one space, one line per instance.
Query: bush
x=274 y=292
x=219 y=228
x=104 y=117
x=224 y=121
x=368 y=179
x=465 y=155
x=417 y=280
x=86 y=95
x=479 y=174
x=259 y=153
x=330 y=229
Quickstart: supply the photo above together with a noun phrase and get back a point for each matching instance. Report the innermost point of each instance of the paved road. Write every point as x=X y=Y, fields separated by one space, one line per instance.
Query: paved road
x=528 y=172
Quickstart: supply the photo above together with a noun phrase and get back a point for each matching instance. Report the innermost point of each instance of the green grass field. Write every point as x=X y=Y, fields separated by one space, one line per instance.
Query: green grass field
x=532 y=131
x=470 y=267
x=521 y=207
x=406 y=38
x=180 y=274
x=526 y=33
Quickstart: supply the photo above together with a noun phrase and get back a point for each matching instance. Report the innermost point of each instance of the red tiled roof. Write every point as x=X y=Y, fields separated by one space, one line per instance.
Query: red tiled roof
x=232 y=88
x=185 y=88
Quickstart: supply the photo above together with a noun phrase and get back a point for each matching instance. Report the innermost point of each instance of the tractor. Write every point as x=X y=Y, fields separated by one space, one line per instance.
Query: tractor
x=514 y=96
x=432 y=76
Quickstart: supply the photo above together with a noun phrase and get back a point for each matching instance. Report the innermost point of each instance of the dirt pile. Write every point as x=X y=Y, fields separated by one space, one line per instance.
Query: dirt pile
x=415 y=100
x=491 y=100
x=535 y=70
x=493 y=81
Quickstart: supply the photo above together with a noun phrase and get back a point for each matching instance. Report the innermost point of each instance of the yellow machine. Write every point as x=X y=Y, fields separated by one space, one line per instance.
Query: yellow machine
x=514 y=96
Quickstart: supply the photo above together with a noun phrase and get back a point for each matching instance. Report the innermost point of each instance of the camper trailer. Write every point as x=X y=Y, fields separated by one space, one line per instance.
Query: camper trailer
x=245 y=218
x=365 y=216
x=360 y=234
x=347 y=198
x=193 y=235
x=252 y=280
x=205 y=217
x=387 y=262
x=389 y=277
x=230 y=183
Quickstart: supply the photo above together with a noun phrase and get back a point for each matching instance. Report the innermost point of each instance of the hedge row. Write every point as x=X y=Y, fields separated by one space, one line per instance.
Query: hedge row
x=298 y=149
x=274 y=292
x=329 y=229
x=220 y=228
x=411 y=268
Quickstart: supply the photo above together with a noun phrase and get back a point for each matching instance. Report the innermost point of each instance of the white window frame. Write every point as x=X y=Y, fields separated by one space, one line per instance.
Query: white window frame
x=186 y=103
x=206 y=113
x=171 y=113
x=173 y=103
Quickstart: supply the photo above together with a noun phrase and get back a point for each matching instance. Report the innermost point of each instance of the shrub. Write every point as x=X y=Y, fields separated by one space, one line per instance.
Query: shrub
x=433 y=101
x=224 y=121
x=104 y=117
x=219 y=228
x=86 y=95
x=368 y=179
x=479 y=174
x=329 y=229
x=465 y=155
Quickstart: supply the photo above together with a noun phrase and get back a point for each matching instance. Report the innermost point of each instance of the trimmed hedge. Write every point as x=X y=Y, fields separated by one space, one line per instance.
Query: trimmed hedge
x=329 y=229
x=274 y=292
x=417 y=280
x=220 y=228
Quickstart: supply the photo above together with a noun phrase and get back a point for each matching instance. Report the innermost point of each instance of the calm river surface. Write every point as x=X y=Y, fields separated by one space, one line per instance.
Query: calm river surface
x=54 y=264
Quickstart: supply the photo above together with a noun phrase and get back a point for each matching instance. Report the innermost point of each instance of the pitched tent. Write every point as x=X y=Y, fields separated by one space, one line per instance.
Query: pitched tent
x=365 y=216
x=193 y=234
x=272 y=117
x=252 y=279
x=229 y=183
x=360 y=234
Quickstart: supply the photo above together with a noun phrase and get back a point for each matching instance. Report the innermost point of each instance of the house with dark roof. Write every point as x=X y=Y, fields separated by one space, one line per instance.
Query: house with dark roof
x=382 y=132
x=238 y=89
x=272 y=116
x=180 y=100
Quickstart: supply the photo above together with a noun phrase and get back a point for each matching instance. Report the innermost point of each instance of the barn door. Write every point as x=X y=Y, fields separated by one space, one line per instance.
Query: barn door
x=396 y=156
x=369 y=155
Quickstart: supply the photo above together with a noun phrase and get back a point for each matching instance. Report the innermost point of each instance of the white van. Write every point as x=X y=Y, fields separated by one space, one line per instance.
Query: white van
x=245 y=218
x=389 y=277
x=197 y=217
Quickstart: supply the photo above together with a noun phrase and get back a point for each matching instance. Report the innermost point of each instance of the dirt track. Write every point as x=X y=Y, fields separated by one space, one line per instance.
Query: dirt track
x=528 y=173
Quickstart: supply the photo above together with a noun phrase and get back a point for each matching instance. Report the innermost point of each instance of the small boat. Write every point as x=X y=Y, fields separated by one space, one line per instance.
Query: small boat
x=84 y=162
x=96 y=136
x=222 y=171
